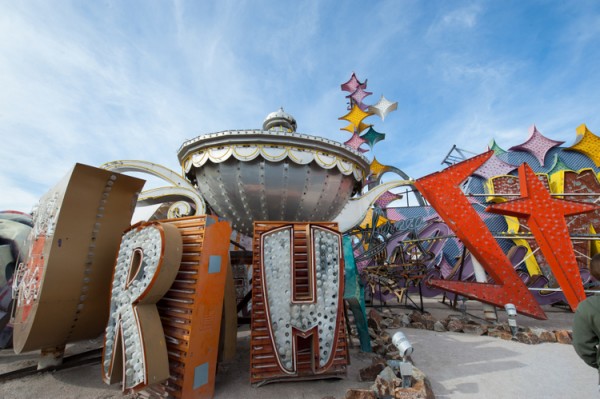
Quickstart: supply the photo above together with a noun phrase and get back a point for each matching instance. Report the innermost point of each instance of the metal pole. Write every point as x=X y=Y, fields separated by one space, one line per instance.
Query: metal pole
x=489 y=311
x=518 y=195
x=560 y=290
x=460 y=270
x=508 y=236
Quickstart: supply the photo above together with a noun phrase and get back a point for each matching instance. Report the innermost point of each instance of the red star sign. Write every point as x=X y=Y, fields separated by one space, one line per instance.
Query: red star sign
x=442 y=190
x=546 y=219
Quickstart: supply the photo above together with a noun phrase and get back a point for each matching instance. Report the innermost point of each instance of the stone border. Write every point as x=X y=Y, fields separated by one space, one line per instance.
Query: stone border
x=379 y=321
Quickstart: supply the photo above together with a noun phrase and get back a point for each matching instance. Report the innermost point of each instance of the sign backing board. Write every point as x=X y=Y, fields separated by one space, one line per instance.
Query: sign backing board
x=63 y=289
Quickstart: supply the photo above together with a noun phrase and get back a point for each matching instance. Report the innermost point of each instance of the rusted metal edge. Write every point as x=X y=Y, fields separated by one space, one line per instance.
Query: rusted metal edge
x=80 y=359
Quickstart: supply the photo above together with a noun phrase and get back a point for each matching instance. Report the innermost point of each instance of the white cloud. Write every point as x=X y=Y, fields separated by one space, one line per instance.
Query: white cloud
x=16 y=198
x=461 y=20
x=465 y=17
x=96 y=82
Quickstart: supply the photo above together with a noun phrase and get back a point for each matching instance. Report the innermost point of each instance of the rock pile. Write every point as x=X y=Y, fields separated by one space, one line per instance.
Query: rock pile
x=386 y=383
x=459 y=323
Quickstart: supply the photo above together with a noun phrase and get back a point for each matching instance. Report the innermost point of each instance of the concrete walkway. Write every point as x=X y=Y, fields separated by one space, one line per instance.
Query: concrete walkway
x=465 y=366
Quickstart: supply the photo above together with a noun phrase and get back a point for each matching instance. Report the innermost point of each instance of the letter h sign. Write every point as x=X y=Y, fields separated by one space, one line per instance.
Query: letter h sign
x=298 y=328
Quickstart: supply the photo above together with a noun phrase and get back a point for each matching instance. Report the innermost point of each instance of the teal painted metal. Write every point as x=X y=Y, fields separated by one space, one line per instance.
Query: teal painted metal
x=354 y=294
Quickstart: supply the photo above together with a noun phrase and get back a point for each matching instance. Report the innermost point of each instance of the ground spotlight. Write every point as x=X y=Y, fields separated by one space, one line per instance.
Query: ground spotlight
x=511 y=312
x=404 y=368
x=403 y=344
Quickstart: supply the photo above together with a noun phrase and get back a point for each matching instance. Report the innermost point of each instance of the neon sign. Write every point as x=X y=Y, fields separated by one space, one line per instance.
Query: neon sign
x=134 y=343
x=297 y=317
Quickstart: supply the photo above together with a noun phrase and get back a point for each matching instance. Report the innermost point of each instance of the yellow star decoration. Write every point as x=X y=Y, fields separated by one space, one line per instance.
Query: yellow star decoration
x=595 y=246
x=587 y=143
x=377 y=169
x=351 y=128
x=355 y=117
x=369 y=219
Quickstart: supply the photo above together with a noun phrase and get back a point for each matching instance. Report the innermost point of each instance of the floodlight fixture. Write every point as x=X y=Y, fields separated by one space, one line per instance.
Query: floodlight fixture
x=404 y=346
x=511 y=312
x=403 y=368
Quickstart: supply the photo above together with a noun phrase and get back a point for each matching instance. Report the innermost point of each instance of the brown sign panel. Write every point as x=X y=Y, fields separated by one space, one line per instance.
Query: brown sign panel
x=63 y=289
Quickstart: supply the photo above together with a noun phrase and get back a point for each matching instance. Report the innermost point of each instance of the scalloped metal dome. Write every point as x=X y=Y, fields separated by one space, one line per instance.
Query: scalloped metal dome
x=280 y=119
x=272 y=174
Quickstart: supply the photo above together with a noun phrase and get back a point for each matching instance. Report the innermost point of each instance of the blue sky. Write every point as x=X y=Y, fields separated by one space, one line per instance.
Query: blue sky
x=97 y=81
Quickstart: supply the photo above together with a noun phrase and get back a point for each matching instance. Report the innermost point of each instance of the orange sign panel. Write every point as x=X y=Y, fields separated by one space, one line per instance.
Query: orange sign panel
x=191 y=309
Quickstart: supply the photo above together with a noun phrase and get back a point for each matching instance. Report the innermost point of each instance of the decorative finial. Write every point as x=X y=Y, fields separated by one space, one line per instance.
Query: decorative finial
x=280 y=120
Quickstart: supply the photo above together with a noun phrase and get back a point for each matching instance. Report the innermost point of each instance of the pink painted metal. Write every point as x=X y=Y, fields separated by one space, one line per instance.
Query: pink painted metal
x=353 y=83
x=358 y=96
x=537 y=145
x=355 y=142
x=494 y=167
x=387 y=198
